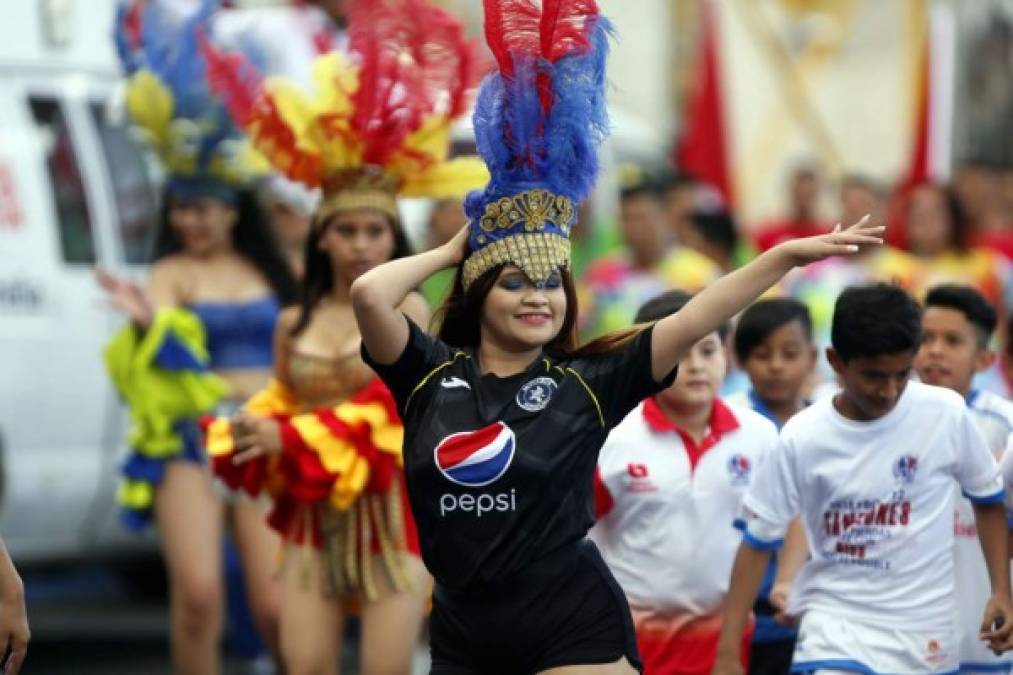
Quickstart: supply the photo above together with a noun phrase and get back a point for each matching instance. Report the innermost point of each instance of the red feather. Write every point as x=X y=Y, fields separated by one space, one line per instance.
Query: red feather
x=519 y=27
x=564 y=28
x=415 y=61
x=234 y=79
x=556 y=29
x=511 y=27
x=133 y=22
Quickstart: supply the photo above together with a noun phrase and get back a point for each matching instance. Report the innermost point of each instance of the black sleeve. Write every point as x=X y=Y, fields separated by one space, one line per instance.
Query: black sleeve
x=422 y=354
x=622 y=379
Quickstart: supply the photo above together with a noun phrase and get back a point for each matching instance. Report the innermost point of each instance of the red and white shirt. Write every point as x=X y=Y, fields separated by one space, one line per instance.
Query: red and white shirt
x=666 y=506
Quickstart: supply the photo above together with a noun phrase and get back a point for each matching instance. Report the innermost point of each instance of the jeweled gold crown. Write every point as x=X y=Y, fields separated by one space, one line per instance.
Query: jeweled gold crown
x=532 y=210
x=362 y=187
x=530 y=230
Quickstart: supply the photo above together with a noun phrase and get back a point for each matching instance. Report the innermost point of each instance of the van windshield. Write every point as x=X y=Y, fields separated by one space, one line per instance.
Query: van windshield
x=133 y=174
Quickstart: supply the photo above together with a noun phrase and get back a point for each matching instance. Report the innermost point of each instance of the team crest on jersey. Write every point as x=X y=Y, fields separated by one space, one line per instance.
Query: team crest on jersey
x=739 y=469
x=905 y=468
x=536 y=394
x=476 y=458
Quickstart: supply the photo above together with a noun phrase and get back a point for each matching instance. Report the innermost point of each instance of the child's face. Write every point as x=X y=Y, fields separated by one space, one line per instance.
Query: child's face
x=700 y=375
x=872 y=385
x=950 y=354
x=779 y=366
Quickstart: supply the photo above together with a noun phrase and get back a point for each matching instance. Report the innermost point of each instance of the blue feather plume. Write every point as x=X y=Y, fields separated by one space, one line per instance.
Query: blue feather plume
x=526 y=147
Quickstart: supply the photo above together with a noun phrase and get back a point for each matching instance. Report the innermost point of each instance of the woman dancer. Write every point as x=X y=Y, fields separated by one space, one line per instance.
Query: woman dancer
x=504 y=415
x=200 y=334
x=324 y=440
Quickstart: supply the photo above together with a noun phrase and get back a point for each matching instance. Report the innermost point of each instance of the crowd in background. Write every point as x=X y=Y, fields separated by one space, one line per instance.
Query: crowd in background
x=672 y=231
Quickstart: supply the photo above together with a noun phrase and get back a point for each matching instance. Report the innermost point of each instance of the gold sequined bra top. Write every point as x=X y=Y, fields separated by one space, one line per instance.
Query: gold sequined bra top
x=320 y=381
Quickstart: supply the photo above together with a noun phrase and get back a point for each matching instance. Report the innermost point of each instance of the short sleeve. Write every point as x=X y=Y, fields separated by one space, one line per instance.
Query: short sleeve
x=621 y=380
x=772 y=500
x=422 y=354
x=977 y=471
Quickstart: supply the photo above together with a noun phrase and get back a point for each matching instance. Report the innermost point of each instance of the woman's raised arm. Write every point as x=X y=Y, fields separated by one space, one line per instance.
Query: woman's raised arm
x=732 y=293
x=378 y=294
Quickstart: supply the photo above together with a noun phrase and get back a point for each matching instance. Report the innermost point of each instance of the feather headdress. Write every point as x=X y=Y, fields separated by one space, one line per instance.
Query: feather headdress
x=539 y=122
x=380 y=119
x=170 y=102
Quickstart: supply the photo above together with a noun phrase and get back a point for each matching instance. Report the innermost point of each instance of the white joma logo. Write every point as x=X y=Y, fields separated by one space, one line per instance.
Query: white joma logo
x=454 y=383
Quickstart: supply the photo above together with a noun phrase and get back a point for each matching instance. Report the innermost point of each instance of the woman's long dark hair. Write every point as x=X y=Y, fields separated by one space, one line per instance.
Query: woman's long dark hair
x=458 y=322
x=318 y=279
x=251 y=237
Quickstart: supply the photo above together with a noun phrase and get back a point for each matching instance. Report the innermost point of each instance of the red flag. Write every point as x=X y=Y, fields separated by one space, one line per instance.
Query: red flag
x=703 y=146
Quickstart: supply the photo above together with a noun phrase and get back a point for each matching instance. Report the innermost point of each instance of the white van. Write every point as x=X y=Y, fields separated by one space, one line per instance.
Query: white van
x=74 y=192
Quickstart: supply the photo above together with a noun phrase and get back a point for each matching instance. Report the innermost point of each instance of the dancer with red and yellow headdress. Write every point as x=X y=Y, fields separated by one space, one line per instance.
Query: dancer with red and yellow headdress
x=324 y=440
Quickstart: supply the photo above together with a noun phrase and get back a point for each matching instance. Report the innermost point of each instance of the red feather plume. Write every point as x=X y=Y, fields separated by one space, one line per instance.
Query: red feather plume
x=415 y=61
x=519 y=27
x=554 y=30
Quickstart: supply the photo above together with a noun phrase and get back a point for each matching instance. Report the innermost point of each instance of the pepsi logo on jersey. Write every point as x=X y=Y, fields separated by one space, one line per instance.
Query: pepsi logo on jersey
x=474 y=459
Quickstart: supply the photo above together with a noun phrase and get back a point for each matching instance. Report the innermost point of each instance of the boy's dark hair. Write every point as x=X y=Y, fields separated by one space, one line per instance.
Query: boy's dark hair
x=875 y=320
x=763 y=318
x=674 y=180
x=669 y=303
x=638 y=181
x=969 y=302
x=717 y=228
x=645 y=188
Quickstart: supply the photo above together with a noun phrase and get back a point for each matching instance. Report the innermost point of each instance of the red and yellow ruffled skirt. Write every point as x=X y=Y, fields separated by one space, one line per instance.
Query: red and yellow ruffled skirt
x=337 y=485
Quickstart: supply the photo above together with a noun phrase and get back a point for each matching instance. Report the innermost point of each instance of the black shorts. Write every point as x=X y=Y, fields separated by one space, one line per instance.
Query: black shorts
x=564 y=611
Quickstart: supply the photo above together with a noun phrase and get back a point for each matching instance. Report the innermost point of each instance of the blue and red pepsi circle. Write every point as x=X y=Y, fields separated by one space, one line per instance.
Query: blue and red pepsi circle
x=476 y=458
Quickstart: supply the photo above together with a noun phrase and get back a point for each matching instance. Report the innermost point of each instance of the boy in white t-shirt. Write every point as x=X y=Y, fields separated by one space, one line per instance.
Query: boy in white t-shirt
x=871 y=471
x=957 y=325
x=670 y=482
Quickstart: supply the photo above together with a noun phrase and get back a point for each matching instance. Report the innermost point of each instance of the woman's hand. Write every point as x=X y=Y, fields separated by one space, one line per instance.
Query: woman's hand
x=127 y=297
x=14 y=633
x=457 y=248
x=839 y=242
x=255 y=436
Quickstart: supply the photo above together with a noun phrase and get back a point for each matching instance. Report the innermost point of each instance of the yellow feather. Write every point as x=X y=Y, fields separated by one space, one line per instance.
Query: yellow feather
x=150 y=104
x=447 y=180
x=296 y=110
x=432 y=138
x=335 y=79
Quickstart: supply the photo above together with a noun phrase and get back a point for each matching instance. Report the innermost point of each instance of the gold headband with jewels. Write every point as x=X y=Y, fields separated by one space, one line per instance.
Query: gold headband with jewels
x=364 y=187
x=529 y=230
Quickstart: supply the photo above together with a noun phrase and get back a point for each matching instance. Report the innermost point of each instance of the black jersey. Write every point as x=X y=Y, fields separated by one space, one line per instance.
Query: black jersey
x=500 y=470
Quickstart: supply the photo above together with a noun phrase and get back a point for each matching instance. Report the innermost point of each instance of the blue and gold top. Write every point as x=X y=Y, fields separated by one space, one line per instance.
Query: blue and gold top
x=239 y=335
